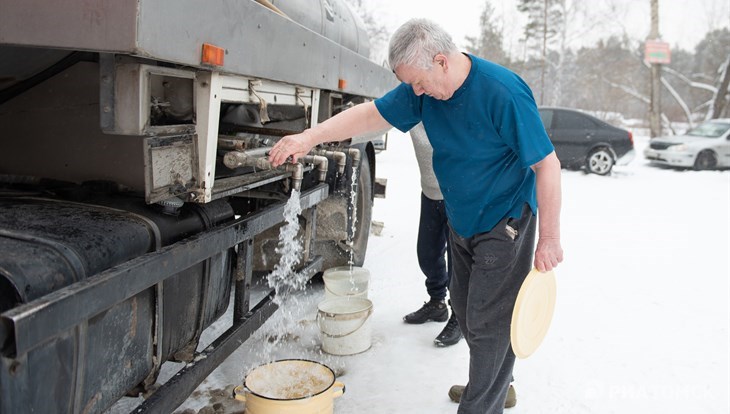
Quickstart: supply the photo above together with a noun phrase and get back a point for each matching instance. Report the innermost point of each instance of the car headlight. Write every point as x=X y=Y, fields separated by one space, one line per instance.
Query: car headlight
x=678 y=148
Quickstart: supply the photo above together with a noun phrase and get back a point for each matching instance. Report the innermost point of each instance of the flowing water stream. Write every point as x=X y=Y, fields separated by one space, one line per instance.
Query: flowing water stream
x=288 y=333
x=353 y=210
x=283 y=279
x=286 y=282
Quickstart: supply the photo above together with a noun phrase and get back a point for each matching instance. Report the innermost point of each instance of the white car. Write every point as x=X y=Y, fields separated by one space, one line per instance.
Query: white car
x=705 y=147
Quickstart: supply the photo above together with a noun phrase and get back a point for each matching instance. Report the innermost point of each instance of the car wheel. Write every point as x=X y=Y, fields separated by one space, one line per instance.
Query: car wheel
x=600 y=161
x=706 y=160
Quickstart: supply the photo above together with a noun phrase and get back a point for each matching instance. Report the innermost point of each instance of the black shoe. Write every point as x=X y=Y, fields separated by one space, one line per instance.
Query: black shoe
x=433 y=310
x=451 y=333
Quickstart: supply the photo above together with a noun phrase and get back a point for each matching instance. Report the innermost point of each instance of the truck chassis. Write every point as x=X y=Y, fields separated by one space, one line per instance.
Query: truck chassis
x=114 y=119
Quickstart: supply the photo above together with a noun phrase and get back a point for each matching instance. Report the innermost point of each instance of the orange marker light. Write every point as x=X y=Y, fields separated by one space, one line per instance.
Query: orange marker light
x=342 y=84
x=212 y=55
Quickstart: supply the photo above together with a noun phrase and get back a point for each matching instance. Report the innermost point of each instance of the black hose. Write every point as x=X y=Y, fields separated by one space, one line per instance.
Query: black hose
x=53 y=70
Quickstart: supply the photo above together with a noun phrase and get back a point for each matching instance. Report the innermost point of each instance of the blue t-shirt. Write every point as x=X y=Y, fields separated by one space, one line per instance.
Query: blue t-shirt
x=484 y=138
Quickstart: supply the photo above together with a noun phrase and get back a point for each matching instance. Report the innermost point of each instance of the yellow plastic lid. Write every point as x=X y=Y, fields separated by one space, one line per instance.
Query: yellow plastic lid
x=533 y=312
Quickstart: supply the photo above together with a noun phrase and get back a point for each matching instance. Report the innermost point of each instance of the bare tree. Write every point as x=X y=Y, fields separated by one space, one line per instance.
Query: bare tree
x=610 y=76
x=717 y=13
x=721 y=95
x=488 y=44
x=377 y=31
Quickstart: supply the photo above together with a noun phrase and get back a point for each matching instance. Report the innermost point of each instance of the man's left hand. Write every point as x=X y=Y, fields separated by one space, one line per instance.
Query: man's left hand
x=548 y=254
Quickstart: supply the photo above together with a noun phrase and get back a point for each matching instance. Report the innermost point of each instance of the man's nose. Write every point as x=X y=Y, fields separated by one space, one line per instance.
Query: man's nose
x=418 y=90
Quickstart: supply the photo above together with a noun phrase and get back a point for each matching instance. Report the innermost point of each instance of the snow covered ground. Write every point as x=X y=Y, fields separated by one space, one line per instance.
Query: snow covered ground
x=641 y=322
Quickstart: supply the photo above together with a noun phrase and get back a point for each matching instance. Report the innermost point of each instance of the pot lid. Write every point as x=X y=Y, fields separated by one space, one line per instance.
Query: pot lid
x=533 y=312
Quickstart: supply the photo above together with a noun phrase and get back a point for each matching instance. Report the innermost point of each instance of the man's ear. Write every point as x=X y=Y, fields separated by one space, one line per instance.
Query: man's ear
x=442 y=61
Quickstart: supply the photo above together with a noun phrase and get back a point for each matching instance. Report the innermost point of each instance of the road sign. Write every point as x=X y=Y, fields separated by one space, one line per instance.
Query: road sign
x=657 y=51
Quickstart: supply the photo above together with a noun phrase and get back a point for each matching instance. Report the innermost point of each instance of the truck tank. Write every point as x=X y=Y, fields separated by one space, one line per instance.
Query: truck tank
x=125 y=228
x=332 y=19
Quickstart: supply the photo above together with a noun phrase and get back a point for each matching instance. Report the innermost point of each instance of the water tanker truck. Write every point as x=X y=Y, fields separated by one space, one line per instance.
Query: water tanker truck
x=136 y=202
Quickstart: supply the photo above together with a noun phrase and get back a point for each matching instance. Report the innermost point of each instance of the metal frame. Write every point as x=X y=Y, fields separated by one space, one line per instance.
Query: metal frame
x=170 y=164
x=176 y=390
x=33 y=323
x=125 y=109
x=214 y=88
x=126 y=89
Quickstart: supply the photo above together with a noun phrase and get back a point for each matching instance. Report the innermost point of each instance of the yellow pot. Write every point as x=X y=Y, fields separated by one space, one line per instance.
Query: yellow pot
x=290 y=386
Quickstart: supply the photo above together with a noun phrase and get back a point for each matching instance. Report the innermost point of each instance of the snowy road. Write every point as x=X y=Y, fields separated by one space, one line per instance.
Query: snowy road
x=641 y=323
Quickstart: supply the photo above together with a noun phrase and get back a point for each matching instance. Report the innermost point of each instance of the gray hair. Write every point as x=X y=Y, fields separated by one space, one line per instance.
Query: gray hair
x=416 y=42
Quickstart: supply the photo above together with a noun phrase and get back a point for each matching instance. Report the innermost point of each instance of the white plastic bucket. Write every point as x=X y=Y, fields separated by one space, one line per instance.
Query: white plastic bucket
x=346 y=281
x=290 y=386
x=345 y=325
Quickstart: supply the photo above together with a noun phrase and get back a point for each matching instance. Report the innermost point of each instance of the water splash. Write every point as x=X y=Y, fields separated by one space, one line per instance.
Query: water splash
x=283 y=329
x=289 y=333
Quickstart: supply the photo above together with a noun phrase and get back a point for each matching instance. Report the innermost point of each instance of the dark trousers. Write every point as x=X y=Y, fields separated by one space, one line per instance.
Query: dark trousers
x=489 y=269
x=433 y=244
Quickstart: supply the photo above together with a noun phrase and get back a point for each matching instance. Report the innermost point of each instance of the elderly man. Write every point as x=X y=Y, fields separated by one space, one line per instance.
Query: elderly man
x=494 y=164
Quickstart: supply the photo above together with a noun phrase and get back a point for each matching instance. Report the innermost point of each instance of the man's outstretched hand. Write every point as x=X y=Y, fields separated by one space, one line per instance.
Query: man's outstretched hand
x=294 y=146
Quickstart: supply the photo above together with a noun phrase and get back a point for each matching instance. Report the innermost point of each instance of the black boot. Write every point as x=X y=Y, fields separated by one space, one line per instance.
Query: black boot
x=451 y=333
x=433 y=310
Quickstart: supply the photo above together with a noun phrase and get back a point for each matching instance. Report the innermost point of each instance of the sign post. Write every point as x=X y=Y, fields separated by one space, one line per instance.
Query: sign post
x=656 y=51
x=656 y=54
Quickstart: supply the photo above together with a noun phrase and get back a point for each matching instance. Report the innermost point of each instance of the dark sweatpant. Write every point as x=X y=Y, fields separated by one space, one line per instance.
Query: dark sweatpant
x=488 y=271
x=432 y=244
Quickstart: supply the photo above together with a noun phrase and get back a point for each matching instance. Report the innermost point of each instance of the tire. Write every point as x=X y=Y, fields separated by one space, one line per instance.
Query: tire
x=600 y=161
x=332 y=227
x=333 y=222
x=364 y=211
x=706 y=160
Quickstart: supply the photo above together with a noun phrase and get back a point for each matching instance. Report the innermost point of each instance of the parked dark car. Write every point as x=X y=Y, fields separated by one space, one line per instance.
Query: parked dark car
x=584 y=141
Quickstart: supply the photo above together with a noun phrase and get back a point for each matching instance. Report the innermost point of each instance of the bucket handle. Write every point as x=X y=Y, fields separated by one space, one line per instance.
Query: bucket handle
x=338 y=389
x=365 y=319
x=335 y=294
x=239 y=393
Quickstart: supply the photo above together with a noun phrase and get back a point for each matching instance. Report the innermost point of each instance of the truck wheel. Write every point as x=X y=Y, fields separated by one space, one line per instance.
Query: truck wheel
x=332 y=222
x=331 y=230
x=364 y=211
